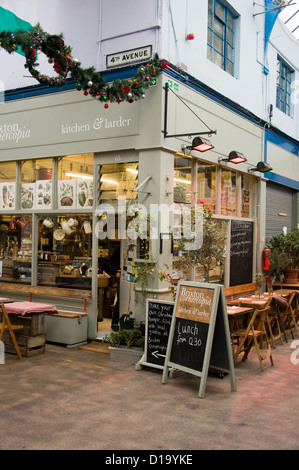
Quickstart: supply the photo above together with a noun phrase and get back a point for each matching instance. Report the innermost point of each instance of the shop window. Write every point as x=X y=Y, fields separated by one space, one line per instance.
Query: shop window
x=75 y=181
x=7 y=186
x=246 y=195
x=206 y=185
x=214 y=272
x=65 y=251
x=15 y=249
x=118 y=180
x=182 y=180
x=36 y=184
x=221 y=36
x=228 y=192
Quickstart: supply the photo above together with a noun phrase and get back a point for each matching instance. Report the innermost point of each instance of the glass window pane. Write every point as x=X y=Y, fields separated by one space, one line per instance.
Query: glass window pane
x=7 y=186
x=229 y=53
x=65 y=251
x=220 y=11
x=246 y=195
x=218 y=59
x=219 y=28
x=229 y=67
x=7 y=172
x=210 y=53
x=228 y=192
x=206 y=185
x=16 y=249
x=229 y=37
x=75 y=181
x=218 y=44
x=36 y=184
x=211 y=2
x=118 y=180
x=210 y=20
x=230 y=21
x=210 y=37
x=182 y=180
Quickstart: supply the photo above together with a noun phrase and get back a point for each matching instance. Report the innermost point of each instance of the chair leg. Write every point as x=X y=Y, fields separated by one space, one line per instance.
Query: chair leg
x=270 y=331
x=259 y=354
x=280 y=319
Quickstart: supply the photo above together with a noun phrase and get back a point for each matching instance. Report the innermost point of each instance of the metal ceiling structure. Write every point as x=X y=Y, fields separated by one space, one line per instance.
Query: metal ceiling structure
x=290 y=15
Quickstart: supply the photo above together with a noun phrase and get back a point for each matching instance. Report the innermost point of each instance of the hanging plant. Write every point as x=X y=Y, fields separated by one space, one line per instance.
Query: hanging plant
x=89 y=81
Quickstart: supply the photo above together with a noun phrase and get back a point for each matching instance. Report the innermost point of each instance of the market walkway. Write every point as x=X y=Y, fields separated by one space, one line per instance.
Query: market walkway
x=80 y=399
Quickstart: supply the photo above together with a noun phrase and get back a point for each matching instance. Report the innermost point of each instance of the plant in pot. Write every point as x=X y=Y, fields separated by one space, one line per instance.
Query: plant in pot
x=284 y=255
x=292 y=247
x=125 y=345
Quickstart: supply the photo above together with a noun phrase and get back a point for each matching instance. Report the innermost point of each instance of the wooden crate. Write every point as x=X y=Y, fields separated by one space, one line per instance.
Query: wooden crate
x=29 y=345
x=32 y=324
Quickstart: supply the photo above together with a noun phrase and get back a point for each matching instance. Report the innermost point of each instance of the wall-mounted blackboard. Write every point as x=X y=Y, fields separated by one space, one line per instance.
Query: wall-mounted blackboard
x=199 y=336
x=241 y=252
x=158 y=320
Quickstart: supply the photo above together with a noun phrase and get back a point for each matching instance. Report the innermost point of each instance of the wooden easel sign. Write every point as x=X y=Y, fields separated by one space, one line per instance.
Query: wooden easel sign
x=199 y=335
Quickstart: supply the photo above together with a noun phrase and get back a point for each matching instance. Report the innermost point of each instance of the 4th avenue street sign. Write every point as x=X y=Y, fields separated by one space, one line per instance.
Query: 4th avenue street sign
x=129 y=57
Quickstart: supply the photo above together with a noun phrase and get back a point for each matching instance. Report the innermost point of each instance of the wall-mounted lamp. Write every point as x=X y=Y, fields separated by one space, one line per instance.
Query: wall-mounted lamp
x=233 y=157
x=200 y=144
x=262 y=167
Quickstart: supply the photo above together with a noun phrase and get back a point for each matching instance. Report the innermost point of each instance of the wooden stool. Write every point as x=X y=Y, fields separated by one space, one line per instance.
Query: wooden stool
x=6 y=325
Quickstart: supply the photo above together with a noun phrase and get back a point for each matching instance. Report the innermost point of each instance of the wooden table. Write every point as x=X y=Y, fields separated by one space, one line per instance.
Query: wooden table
x=236 y=315
x=29 y=317
x=253 y=302
x=284 y=292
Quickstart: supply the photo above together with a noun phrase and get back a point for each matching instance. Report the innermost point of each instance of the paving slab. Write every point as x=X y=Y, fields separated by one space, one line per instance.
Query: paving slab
x=78 y=399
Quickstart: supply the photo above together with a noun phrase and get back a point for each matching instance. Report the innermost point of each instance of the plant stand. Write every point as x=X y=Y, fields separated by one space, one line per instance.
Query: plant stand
x=124 y=354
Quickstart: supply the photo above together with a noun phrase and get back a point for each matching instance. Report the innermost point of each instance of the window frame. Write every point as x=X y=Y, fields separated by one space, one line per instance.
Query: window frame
x=224 y=21
x=283 y=86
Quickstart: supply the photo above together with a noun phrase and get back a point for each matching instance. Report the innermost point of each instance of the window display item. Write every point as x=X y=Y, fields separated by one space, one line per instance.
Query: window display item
x=59 y=234
x=48 y=223
x=66 y=228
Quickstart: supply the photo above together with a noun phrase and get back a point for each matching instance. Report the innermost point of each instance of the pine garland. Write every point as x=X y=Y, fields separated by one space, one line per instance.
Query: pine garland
x=66 y=67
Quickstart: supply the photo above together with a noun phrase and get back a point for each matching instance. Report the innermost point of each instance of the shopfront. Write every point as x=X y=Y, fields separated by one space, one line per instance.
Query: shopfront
x=64 y=158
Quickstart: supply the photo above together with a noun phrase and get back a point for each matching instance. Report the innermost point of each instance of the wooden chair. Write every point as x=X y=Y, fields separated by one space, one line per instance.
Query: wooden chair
x=268 y=323
x=276 y=321
x=287 y=318
x=6 y=325
x=256 y=330
x=291 y=316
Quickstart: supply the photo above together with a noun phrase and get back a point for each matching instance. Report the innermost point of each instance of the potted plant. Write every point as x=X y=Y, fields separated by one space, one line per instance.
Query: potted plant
x=284 y=255
x=125 y=345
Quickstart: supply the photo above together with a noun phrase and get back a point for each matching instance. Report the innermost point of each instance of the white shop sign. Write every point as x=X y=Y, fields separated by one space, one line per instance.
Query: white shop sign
x=128 y=57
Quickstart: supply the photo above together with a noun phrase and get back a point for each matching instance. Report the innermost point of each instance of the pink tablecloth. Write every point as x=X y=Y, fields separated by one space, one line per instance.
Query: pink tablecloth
x=21 y=308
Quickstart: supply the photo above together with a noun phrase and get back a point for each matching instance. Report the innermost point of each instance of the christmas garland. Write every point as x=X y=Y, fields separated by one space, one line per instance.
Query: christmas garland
x=66 y=67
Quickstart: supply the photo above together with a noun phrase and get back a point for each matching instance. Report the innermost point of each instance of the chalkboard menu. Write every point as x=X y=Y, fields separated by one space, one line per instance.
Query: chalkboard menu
x=241 y=252
x=158 y=320
x=199 y=335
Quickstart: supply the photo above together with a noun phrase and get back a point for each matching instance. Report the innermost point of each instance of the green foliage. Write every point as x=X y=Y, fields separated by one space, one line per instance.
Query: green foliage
x=129 y=338
x=284 y=250
x=89 y=80
x=213 y=246
x=259 y=278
